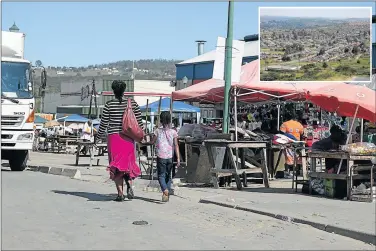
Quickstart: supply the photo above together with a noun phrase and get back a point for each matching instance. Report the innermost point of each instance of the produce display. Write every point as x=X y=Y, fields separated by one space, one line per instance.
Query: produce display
x=360 y=148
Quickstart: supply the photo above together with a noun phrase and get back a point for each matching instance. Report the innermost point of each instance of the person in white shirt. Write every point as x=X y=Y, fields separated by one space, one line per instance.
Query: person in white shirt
x=87 y=135
x=87 y=132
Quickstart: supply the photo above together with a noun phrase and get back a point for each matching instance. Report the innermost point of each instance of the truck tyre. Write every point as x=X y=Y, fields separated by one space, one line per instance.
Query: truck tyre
x=18 y=161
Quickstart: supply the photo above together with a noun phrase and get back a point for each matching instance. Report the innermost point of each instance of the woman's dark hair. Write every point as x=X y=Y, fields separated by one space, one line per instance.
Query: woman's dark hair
x=118 y=87
x=337 y=134
x=165 y=118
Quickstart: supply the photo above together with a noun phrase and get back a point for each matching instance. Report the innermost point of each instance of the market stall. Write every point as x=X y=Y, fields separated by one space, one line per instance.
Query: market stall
x=351 y=101
x=250 y=91
x=165 y=105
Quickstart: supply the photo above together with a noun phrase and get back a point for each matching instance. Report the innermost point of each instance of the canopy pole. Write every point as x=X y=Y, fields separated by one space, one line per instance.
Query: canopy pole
x=171 y=109
x=146 y=116
x=348 y=136
x=159 y=112
x=278 y=115
x=235 y=115
x=228 y=66
x=236 y=126
x=361 y=130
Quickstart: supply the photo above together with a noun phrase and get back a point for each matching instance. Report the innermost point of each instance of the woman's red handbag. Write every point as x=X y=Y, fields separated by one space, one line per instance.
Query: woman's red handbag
x=130 y=126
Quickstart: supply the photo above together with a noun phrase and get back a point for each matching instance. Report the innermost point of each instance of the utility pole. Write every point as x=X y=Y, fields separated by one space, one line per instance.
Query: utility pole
x=42 y=88
x=228 y=66
x=93 y=95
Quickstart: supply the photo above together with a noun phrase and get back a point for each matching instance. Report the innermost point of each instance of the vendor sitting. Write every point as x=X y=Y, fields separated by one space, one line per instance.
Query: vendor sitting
x=337 y=137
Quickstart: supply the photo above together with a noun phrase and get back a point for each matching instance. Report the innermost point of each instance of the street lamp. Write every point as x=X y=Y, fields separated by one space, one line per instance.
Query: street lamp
x=185 y=81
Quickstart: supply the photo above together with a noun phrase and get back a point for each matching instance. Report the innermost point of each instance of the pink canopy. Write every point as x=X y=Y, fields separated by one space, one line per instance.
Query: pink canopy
x=201 y=91
x=347 y=100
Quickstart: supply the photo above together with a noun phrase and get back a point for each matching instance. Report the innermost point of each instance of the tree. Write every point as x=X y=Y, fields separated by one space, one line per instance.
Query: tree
x=355 y=50
x=286 y=58
x=322 y=51
x=38 y=63
x=325 y=65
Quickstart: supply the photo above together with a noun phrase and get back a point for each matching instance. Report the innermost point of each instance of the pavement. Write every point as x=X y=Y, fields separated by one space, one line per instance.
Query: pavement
x=347 y=218
x=43 y=211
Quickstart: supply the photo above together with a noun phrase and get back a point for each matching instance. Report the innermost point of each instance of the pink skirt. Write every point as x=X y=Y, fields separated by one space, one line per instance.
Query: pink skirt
x=122 y=158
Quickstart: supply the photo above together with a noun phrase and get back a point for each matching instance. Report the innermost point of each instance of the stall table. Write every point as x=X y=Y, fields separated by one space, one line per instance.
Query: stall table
x=225 y=148
x=348 y=176
x=91 y=146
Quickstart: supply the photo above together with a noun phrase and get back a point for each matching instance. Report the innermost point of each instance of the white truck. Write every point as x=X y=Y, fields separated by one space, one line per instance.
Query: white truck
x=17 y=101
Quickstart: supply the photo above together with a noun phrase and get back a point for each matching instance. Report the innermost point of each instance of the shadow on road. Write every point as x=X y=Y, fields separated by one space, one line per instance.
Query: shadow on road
x=5 y=170
x=88 y=196
x=102 y=197
x=148 y=200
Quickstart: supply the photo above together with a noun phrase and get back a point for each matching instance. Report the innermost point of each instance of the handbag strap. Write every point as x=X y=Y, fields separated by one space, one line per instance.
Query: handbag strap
x=129 y=103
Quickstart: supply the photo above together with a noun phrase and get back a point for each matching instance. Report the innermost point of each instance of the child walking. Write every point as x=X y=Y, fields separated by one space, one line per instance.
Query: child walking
x=166 y=143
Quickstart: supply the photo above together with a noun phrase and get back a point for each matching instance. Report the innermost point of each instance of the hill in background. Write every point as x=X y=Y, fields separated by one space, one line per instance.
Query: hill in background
x=145 y=69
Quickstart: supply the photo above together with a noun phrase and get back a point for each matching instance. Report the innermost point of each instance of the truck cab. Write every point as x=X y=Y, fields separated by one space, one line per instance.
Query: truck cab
x=17 y=102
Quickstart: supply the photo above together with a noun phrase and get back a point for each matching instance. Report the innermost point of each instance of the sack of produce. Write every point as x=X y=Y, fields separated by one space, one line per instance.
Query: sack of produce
x=360 y=148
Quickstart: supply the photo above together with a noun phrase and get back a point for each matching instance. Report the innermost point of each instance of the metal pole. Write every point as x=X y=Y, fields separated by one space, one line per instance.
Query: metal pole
x=228 y=65
x=236 y=118
x=278 y=116
x=236 y=127
x=361 y=130
x=348 y=136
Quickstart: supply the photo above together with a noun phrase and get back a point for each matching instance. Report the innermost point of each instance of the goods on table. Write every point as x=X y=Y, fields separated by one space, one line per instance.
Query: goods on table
x=362 y=148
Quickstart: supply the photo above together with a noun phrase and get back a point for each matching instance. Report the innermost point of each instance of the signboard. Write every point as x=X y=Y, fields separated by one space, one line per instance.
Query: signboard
x=237 y=58
x=45 y=116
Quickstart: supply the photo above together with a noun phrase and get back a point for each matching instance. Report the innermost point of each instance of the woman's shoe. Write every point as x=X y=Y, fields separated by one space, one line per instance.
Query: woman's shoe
x=130 y=193
x=165 y=197
x=120 y=198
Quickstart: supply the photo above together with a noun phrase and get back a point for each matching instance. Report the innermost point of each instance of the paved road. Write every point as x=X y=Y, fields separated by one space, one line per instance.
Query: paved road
x=360 y=79
x=41 y=211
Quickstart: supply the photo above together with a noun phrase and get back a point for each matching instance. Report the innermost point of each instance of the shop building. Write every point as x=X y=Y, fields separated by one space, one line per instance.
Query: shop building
x=74 y=97
x=200 y=68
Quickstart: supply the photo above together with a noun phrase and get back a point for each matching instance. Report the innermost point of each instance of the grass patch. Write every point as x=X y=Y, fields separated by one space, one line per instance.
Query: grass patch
x=338 y=70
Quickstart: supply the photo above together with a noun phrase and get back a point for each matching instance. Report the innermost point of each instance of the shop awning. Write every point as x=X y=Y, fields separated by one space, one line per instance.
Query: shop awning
x=73 y=118
x=177 y=106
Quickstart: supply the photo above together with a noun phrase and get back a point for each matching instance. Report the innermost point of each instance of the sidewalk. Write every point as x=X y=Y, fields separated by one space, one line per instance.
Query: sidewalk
x=352 y=219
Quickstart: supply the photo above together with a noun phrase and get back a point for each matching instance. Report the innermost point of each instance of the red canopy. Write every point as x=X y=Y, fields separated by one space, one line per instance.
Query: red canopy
x=344 y=99
x=249 y=89
x=201 y=91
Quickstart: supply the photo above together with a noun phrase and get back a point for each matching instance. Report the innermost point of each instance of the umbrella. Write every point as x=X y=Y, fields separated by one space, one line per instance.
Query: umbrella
x=74 y=126
x=51 y=123
x=346 y=100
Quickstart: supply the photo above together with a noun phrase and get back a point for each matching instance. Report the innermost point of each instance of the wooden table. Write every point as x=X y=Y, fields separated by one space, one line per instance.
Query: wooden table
x=63 y=142
x=348 y=176
x=221 y=148
x=92 y=146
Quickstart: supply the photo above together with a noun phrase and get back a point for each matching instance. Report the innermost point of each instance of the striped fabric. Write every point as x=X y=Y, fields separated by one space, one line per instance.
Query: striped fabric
x=112 y=116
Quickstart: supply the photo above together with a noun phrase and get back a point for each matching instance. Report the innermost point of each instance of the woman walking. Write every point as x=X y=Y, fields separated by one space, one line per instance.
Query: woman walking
x=121 y=149
x=166 y=140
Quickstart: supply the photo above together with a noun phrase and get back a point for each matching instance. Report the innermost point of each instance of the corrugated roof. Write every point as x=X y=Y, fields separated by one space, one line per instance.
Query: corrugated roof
x=250 y=49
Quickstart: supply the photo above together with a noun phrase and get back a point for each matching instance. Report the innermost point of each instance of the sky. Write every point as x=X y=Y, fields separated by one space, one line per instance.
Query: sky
x=334 y=12
x=87 y=33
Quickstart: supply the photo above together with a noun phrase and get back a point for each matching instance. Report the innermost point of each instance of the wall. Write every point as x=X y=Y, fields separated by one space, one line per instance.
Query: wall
x=154 y=86
x=199 y=72
x=373 y=56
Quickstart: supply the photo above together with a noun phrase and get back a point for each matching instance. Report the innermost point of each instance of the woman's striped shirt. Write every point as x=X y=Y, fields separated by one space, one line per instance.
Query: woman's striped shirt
x=112 y=116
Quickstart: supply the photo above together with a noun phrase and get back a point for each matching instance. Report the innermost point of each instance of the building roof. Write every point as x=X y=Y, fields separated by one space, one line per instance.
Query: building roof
x=251 y=49
x=14 y=27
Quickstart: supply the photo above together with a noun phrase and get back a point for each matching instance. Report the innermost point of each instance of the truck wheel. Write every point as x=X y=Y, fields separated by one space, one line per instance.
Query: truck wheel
x=18 y=161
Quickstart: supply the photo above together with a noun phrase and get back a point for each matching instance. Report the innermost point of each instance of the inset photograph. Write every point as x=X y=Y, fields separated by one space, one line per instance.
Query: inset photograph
x=315 y=43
